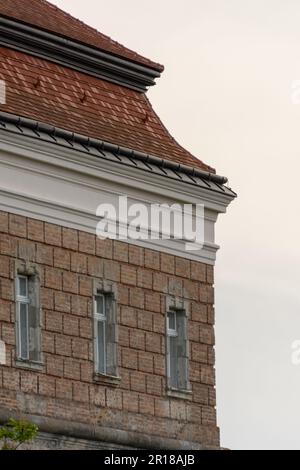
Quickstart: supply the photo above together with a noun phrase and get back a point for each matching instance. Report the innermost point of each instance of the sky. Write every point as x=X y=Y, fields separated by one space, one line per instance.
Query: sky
x=227 y=96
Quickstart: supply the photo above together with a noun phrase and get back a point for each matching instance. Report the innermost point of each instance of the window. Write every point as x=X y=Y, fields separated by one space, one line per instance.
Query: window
x=177 y=349
x=105 y=334
x=28 y=318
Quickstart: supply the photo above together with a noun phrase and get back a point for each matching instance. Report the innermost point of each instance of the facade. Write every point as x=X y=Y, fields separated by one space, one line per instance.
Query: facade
x=104 y=344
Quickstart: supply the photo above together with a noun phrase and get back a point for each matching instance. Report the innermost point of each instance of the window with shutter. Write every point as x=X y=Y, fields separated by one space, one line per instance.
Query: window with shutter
x=177 y=349
x=28 y=318
x=105 y=333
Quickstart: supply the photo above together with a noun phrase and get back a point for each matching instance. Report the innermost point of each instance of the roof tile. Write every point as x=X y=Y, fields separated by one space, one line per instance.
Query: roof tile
x=49 y=17
x=62 y=97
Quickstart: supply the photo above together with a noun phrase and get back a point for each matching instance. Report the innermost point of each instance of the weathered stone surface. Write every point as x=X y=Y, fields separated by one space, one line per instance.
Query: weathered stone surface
x=64 y=387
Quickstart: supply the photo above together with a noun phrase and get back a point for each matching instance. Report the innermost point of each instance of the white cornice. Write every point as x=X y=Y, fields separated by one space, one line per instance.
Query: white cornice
x=61 y=186
x=89 y=165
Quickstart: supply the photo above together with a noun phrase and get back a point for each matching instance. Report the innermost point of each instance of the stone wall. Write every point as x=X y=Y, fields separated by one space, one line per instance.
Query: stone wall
x=64 y=388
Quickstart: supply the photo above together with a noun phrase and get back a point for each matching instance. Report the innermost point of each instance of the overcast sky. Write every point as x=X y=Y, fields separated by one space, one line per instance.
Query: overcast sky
x=226 y=96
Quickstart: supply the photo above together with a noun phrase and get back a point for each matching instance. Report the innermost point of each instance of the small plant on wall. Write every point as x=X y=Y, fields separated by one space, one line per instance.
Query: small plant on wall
x=14 y=433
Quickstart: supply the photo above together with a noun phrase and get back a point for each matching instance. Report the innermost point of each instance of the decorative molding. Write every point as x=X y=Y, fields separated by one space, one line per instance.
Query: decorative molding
x=69 y=53
x=113 y=153
x=62 y=186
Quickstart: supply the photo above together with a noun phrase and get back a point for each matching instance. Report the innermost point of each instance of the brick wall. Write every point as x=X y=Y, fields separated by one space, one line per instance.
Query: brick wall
x=69 y=261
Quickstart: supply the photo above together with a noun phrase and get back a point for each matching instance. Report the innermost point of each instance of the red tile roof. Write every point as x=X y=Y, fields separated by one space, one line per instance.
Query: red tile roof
x=47 y=16
x=62 y=97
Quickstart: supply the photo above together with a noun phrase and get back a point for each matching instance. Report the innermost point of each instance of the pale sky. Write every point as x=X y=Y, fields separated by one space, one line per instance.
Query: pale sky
x=226 y=96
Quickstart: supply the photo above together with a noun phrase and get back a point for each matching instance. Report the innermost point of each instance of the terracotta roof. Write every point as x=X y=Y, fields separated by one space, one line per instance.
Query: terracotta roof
x=57 y=95
x=48 y=17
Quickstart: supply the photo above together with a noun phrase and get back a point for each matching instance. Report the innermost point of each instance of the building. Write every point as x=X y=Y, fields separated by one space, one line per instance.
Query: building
x=105 y=343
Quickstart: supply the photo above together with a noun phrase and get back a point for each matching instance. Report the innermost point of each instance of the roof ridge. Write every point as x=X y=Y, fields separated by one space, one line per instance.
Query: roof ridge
x=115 y=112
x=64 y=24
x=85 y=25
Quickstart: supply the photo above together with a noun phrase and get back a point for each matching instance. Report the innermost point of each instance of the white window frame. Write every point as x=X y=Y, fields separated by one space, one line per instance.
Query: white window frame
x=22 y=300
x=108 y=316
x=177 y=330
x=171 y=333
x=100 y=317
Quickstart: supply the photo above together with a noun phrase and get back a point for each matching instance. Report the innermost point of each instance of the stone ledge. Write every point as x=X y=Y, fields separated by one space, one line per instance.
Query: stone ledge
x=112 y=436
x=107 y=379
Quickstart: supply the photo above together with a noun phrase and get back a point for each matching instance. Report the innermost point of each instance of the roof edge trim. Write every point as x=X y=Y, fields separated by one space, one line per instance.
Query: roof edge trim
x=101 y=145
x=77 y=56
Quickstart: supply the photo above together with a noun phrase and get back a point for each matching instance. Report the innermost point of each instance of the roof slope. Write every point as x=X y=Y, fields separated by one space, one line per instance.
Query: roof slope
x=64 y=98
x=47 y=16
x=58 y=95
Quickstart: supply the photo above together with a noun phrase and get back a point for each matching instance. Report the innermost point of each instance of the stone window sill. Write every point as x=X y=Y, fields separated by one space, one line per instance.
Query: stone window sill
x=35 y=366
x=181 y=394
x=107 y=379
